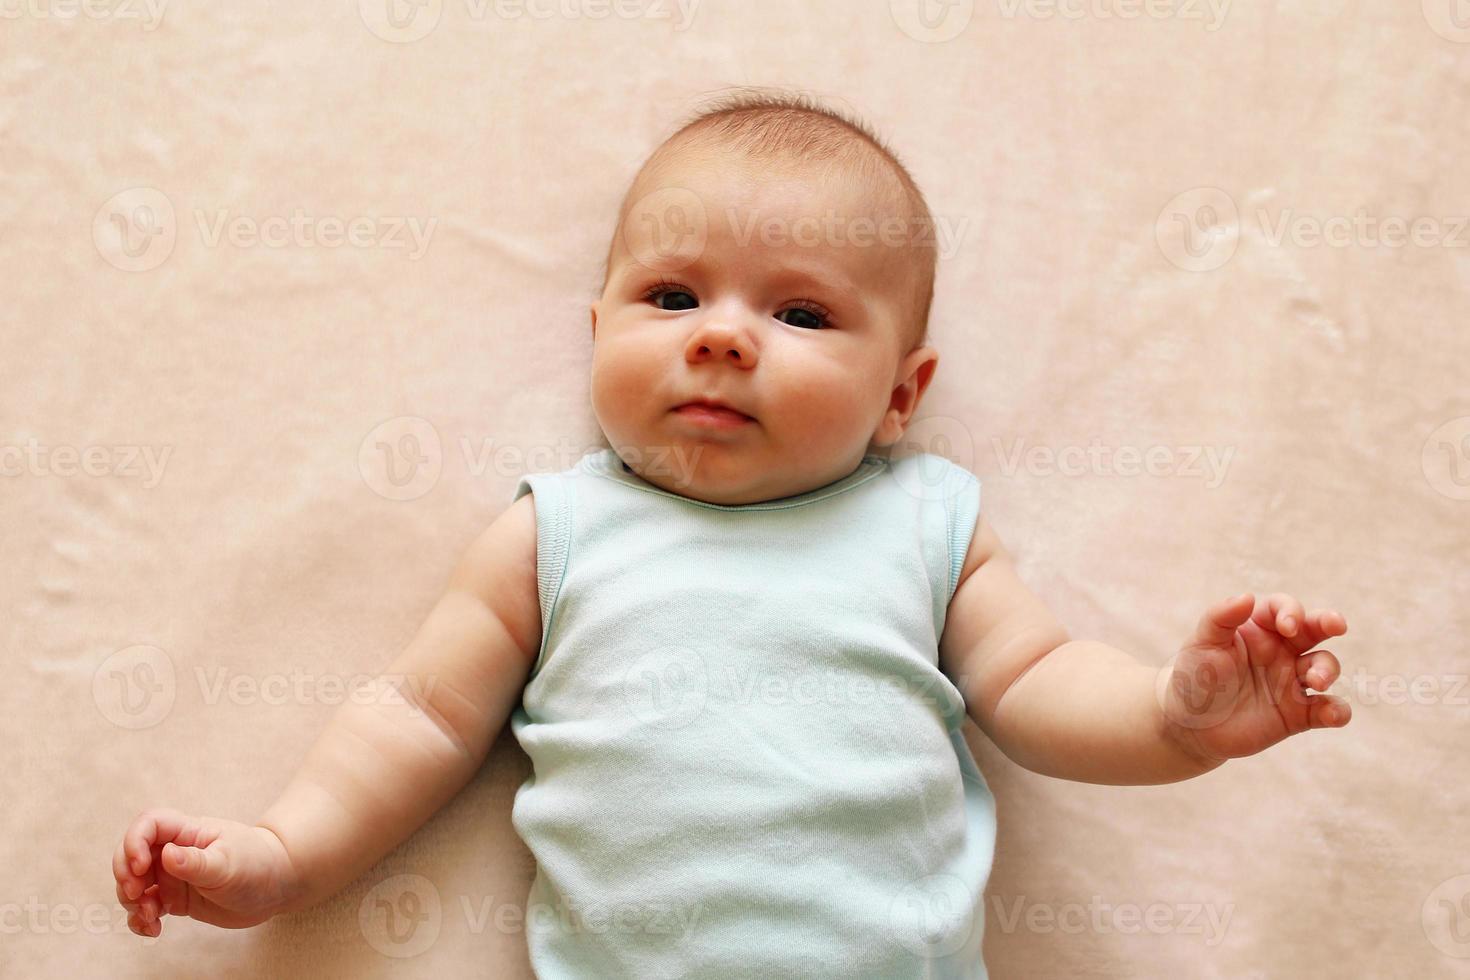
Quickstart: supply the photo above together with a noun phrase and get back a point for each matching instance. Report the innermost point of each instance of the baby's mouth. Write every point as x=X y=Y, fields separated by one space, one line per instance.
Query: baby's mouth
x=716 y=416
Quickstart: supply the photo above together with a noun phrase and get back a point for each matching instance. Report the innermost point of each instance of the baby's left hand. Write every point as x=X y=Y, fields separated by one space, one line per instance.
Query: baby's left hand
x=1240 y=683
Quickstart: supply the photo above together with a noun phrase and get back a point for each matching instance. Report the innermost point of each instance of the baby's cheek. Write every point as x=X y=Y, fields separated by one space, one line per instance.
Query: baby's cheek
x=835 y=405
x=622 y=385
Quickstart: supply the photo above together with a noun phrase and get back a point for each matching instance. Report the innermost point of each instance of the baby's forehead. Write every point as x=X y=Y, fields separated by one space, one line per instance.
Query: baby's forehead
x=850 y=187
x=815 y=211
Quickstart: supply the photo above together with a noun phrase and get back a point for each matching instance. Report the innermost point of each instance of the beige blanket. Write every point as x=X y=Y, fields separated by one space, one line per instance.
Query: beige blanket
x=1202 y=313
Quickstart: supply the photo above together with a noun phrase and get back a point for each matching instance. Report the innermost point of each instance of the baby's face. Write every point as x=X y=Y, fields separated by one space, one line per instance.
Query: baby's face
x=772 y=291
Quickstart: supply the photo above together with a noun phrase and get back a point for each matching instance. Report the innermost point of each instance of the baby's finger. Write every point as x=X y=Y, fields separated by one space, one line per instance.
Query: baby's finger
x=1217 y=625
x=1318 y=669
x=138 y=915
x=147 y=908
x=200 y=866
x=124 y=901
x=1281 y=613
x=142 y=928
x=1328 y=711
x=152 y=829
x=151 y=904
x=1321 y=624
x=129 y=885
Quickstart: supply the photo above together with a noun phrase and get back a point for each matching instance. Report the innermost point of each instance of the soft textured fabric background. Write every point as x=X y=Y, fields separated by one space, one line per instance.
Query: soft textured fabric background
x=1117 y=284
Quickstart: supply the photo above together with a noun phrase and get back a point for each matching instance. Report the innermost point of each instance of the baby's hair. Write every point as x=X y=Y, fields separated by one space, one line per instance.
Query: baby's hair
x=768 y=123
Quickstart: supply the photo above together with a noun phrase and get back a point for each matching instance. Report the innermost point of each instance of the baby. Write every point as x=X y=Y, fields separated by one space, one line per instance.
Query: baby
x=739 y=645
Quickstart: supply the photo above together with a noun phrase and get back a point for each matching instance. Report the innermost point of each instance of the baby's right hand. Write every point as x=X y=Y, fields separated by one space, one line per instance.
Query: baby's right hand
x=218 y=871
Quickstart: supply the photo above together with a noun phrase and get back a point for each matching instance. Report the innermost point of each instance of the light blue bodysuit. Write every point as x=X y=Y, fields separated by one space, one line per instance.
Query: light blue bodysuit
x=747 y=762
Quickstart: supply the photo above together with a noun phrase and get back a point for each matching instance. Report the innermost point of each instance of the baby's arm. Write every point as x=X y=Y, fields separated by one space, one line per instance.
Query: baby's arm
x=384 y=764
x=380 y=770
x=1083 y=710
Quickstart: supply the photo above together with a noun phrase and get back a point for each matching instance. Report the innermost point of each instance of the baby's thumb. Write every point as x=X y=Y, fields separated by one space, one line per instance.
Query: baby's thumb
x=201 y=867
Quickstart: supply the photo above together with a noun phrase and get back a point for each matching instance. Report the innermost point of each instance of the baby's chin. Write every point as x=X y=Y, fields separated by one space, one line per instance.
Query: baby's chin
x=699 y=468
x=706 y=473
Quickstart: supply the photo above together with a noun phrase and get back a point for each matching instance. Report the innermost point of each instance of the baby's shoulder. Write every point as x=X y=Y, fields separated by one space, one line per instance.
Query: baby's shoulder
x=499 y=568
x=932 y=476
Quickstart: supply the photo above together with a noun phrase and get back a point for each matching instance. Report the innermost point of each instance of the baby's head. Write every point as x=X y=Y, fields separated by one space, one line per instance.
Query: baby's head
x=774 y=256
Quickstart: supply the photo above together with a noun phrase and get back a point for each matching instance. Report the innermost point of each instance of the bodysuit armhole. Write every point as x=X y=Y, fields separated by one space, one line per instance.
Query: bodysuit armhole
x=962 y=507
x=947 y=498
x=552 y=498
x=961 y=492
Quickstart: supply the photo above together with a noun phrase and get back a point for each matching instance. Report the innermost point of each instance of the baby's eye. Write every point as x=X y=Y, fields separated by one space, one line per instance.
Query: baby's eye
x=681 y=298
x=806 y=317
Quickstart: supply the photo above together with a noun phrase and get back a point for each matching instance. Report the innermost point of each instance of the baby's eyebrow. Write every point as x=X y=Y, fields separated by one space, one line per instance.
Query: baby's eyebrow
x=829 y=278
